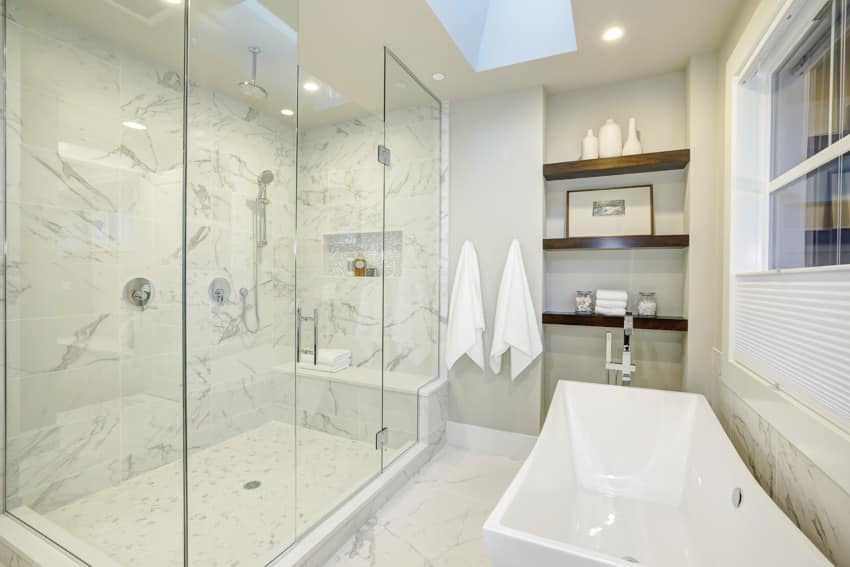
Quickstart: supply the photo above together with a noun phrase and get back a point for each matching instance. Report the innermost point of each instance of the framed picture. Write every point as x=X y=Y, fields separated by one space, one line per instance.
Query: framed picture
x=615 y=211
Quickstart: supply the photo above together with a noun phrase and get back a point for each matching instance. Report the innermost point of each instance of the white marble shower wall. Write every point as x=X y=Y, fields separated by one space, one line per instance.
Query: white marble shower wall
x=94 y=385
x=238 y=379
x=91 y=204
x=341 y=193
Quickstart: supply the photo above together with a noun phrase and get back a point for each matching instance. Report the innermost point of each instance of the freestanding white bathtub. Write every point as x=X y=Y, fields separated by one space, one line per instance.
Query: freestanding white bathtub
x=621 y=476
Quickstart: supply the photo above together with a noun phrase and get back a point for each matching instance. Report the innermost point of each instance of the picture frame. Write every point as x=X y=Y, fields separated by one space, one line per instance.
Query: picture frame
x=610 y=211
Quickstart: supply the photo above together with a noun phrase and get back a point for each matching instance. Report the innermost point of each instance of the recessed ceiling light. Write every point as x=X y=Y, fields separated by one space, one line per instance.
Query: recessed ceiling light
x=175 y=2
x=287 y=111
x=310 y=86
x=438 y=76
x=613 y=33
x=133 y=125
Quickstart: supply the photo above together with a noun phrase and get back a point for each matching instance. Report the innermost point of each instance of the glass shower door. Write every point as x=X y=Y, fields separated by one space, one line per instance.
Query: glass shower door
x=94 y=187
x=412 y=251
x=338 y=296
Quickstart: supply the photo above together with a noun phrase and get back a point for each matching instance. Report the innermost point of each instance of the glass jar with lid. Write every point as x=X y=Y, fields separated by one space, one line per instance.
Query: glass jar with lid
x=584 y=302
x=647 y=304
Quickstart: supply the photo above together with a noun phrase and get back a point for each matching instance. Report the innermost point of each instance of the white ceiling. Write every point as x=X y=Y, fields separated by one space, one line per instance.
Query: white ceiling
x=339 y=38
x=340 y=43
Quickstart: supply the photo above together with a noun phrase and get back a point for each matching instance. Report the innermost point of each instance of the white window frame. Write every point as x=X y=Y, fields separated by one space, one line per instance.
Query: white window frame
x=748 y=259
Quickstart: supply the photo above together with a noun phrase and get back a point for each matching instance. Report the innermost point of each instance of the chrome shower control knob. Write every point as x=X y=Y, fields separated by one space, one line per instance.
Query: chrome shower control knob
x=138 y=292
x=219 y=291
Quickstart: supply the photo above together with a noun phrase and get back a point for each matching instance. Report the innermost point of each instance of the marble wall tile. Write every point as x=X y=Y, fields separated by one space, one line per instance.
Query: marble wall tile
x=434 y=412
x=813 y=501
x=342 y=192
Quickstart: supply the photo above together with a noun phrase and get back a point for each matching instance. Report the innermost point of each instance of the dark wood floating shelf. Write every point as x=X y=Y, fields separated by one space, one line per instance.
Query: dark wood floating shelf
x=617 y=242
x=651 y=323
x=638 y=163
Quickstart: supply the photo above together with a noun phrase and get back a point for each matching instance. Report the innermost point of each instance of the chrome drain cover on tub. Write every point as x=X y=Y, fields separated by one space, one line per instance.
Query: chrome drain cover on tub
x=251 y=485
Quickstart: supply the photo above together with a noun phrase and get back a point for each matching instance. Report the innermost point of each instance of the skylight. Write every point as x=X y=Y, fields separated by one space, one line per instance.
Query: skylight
x=497 y=33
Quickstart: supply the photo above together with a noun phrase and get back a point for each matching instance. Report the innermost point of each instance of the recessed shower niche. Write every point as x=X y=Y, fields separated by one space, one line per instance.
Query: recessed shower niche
x=380 y=250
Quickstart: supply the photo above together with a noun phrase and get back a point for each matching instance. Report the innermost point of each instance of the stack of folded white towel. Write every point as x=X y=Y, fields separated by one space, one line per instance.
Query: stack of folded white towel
x=328 y=360
x=611 y=302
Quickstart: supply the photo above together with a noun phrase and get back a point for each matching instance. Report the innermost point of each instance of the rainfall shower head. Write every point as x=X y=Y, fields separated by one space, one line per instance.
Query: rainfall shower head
x=251 y=88
x=265 y=177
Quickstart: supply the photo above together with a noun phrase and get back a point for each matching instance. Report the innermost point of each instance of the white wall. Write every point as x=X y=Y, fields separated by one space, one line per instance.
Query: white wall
x=497 y=195
x=577 y=353
x=703 y=221
x=657 y=102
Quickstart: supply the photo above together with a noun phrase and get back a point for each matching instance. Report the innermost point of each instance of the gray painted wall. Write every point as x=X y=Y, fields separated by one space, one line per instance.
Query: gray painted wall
x=497 y=148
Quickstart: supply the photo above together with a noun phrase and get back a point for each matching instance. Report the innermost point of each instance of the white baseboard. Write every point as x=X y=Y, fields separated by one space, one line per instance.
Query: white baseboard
x=486 y=441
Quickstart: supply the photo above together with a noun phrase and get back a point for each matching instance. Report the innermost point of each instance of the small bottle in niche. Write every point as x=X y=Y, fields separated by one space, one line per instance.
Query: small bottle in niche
x=359 y=267
x=647 y=304
x=584 y=302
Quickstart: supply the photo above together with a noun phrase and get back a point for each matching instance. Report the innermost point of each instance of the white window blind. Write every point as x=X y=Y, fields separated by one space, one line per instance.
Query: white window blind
x=793 y=329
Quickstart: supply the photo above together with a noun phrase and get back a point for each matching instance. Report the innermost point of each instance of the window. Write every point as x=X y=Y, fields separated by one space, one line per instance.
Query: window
x=790 y=239
x=809 y=95
x=801 y=89
x=810 y=218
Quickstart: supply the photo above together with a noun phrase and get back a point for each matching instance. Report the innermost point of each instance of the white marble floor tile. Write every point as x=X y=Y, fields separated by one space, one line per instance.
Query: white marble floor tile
x=436 y=519
x=139 y=522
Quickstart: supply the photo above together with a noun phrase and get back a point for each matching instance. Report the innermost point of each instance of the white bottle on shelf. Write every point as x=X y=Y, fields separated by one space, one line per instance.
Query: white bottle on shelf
x=590 y=146
x=632 y=145
x=610 y=139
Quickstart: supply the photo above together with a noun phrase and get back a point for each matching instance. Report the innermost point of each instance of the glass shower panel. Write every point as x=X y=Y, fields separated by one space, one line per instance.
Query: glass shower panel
x=339 y=295
x=94 y=322
x=241 y=150
x=412 y=251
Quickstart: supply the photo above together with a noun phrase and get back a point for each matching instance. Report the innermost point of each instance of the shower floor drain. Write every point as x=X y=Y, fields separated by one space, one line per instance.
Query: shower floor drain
x=251 y=485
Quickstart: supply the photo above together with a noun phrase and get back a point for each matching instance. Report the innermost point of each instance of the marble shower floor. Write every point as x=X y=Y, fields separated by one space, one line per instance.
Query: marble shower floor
x=139 y=522
x=436 y=519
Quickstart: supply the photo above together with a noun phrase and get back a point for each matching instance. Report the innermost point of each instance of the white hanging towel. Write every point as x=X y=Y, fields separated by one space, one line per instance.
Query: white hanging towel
x=466 y=311
x=516 y=325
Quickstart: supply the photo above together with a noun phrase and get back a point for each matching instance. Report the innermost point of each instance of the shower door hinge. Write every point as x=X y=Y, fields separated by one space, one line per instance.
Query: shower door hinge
x=382 y=437
x=384 y=154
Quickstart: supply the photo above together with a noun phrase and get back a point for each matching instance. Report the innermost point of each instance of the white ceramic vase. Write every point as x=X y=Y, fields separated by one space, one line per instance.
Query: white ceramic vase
x=590 y=146
x=610 y=139
x=632 y=145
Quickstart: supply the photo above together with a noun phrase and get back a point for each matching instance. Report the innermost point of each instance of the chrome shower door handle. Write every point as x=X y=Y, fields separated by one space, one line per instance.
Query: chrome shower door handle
x=298 y=335
x=316 y=336
x=299 y=318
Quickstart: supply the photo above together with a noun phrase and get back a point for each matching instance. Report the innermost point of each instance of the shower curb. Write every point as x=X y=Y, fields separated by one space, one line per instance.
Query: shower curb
x=319 y=545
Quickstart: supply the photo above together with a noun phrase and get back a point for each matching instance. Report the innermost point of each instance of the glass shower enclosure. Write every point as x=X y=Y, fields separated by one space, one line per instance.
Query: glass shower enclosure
x=221 y=277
